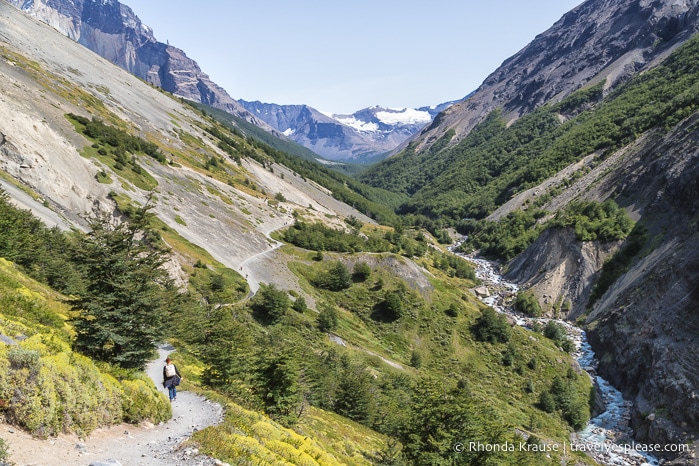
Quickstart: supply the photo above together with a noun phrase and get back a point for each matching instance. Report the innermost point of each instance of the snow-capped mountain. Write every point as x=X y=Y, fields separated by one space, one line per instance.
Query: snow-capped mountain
x=365 y=136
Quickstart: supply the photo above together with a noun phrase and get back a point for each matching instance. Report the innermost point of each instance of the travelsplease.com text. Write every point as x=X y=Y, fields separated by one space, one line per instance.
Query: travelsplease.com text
x=582 y=447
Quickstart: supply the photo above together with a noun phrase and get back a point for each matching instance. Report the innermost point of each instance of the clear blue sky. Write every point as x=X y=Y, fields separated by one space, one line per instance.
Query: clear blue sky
x=342 y=56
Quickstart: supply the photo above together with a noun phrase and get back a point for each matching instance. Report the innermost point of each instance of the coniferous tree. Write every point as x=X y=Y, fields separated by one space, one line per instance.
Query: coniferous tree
x=327 y=318
x=354 y=392
x=278 y=385
x=226 y=351
x=270 y=304
x=119 y=317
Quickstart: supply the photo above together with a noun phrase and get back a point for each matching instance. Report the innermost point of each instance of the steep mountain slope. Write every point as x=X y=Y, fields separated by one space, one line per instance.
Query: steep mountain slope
x=608 y=40
x=113 y=31
x=364 y=136
x=48 y=158
x=645 y=328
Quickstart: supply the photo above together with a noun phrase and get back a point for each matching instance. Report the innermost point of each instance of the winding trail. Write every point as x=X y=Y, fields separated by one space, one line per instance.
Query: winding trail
x=253 y=268
x=126 y=444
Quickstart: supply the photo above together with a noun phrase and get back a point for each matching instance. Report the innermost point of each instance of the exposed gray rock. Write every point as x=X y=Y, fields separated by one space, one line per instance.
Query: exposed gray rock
x=644 y=329
x=481 y=292
x=559 y=268
x=109 y=462
x=113 y=31
x=598 y=40
x=7 y=340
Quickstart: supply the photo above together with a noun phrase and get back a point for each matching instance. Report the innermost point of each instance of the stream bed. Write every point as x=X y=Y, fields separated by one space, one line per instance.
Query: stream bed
x=608 y=438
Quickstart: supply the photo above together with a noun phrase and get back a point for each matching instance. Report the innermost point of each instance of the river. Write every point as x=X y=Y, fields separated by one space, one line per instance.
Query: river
x=608 y=436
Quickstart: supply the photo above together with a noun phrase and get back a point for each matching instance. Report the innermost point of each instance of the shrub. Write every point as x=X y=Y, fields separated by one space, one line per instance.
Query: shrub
x=142 y=401
x=3 y=451
x=546 y=402
x=300 y=305
x=416 y=359
x=529 y=387
x=361 y=272
x=452 y=310
x=21 y=358
x=491 y=327
x=527 y=303
x=393 y=306
x=327 y=319
x=509 y=355
x=554 y=331
x=47 y=389
x=336 y=278
x=564 y=396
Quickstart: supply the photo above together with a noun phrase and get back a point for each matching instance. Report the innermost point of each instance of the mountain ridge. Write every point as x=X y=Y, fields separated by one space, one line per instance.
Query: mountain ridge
x=112 y=30
x=598 y=40
x=364 y=136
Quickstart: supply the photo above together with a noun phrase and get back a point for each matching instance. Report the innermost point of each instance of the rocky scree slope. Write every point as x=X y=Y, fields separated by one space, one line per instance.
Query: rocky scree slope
x=610 y=40
x=45 y=75
x=113 y=31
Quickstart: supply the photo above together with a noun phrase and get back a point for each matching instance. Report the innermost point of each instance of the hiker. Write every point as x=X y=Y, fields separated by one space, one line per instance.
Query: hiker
x=171 y=378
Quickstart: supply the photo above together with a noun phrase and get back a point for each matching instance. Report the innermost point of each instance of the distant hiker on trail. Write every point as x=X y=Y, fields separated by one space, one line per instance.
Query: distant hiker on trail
x=171 y=378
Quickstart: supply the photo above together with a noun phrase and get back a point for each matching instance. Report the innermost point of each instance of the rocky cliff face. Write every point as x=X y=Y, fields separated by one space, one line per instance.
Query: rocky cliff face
x=113 y=31
x=600 y=39
x=645 y=328
x=561 y=271
x=364 y=136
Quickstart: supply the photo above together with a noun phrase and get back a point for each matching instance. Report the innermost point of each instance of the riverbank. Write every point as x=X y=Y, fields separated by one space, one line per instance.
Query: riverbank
x=607 y=438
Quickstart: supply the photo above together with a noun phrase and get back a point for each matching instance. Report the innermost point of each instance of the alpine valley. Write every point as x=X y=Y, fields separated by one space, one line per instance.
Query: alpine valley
x=332 y=314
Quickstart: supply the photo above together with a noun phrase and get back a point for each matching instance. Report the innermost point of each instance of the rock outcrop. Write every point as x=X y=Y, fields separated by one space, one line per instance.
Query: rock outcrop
x=645 y=328
x=560 y=270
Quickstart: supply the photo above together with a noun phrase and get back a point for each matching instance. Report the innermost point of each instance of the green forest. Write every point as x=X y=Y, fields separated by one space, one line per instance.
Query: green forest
x=456 y=184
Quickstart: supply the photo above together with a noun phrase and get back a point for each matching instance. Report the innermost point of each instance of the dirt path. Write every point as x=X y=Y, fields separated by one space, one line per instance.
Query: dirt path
x=125 y=444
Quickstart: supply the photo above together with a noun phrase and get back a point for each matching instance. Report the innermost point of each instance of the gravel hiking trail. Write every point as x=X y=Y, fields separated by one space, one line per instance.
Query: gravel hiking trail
x=125 y=444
